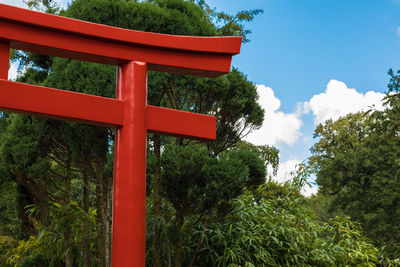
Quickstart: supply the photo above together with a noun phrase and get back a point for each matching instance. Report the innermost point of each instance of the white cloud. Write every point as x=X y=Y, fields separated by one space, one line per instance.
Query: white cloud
x=13 y=71
x=339 y=100
x=285 y=168
x=284 y=175
x=20 y=3
x=63 y=3
x=308 y=190
x=278 y=127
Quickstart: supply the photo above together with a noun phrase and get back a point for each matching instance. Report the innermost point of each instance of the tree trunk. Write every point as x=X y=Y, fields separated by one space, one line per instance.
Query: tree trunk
x=23 y=199
x=86 y=225
x=68 y=256
x=32 y=192
x=179 y=243
x=67 y=199
x=107 y=220
x=99 y=213
x=169 y=253
x=158 y=258
x=200 y=242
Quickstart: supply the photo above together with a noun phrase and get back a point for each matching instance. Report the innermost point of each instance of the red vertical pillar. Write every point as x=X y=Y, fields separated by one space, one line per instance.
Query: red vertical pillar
x=4 y=58
x=129 y=209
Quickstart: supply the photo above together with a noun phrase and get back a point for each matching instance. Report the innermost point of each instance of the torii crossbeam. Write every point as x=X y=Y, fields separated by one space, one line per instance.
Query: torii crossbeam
x=134 y=53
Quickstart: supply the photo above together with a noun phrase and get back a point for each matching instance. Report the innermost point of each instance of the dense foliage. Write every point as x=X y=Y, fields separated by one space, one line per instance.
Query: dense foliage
x=208 y=204
x=63 y=171
x=357 y=164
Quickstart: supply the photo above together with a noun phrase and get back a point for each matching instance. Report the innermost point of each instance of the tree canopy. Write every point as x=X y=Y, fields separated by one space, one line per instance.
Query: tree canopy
x=356 y=161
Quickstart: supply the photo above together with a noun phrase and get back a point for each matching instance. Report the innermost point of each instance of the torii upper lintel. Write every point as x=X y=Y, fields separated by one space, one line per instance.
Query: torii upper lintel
x=64 y=37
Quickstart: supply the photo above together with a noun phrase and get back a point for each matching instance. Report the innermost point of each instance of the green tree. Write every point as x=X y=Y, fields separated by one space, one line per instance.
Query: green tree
x=356 y=161
x=390 y=116
x=199 y=189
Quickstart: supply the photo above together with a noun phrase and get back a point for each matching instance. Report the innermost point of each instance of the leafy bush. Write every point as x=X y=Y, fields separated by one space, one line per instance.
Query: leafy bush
x=283 y=232
x=50 y=245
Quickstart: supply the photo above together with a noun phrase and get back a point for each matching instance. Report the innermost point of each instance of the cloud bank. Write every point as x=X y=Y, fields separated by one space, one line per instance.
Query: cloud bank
x=278 y=127
x=20 y=3
x=285 y=168
x=339 y=100
x=284 y=175
x=284 y=128
x=13 y=71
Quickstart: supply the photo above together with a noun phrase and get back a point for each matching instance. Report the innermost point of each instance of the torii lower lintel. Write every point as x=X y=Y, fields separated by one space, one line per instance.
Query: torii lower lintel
x=100 y=111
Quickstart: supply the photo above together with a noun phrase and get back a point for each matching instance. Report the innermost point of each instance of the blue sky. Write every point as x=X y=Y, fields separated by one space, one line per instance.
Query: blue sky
x=297 y=48
x=313 y=60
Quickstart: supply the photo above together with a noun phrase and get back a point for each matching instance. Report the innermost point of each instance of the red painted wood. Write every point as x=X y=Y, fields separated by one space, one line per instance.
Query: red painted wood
x=4 y=59
x=226 y=45
x=179 y=123
x=78 y=107
x=64 y=37
x=60 y=104
x=129 y=213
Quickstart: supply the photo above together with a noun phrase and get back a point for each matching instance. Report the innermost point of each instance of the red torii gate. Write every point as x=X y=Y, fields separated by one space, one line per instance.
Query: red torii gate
x=134 y=52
